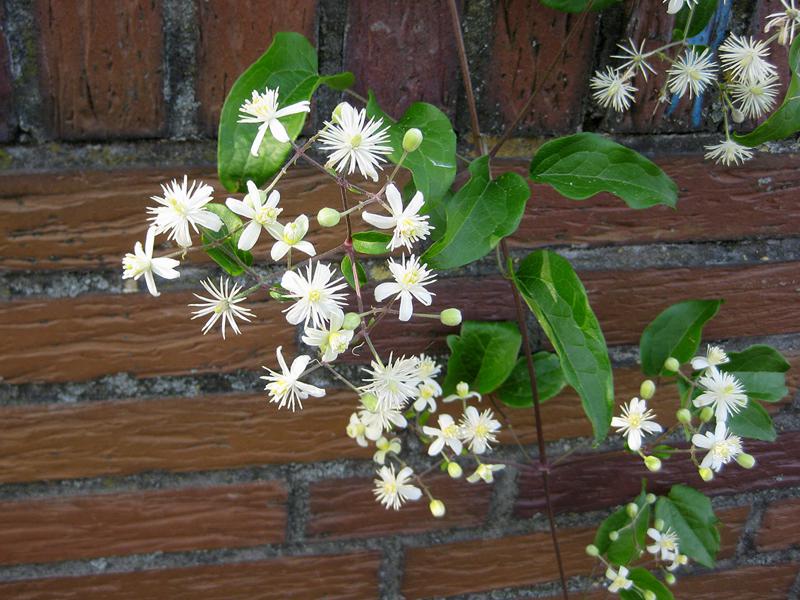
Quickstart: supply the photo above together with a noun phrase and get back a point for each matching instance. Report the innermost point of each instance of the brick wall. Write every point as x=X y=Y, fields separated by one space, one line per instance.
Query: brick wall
x=138 y=459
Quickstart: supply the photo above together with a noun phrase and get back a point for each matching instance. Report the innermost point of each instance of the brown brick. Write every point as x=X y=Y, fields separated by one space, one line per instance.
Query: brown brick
x=780 y=527
x=347 y=508
x=7 y=119
x=233 y=34
x=344 y=577
x=402 y=52
x=101 y=68
x=777 y=467
x=35 y=531
x=527 y=39
x=183 y=434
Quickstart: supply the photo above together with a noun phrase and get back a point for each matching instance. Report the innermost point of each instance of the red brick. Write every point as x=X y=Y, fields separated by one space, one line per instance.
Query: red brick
x=36 y=531
x=403 y=52
x=7 y=120
x=344 y=577
x=780 y=527
x=233 y=34
x=101 y=68
x=347 y=508
x=527 y=39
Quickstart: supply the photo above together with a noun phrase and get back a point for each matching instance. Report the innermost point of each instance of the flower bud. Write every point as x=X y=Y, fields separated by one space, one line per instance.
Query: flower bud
x=454 y=470
x=437 y=508
x=632 y=509
x=351 y=321
x=450 y=317
x=337 y=112
x=684 y=416
x=649 y=595
x=737 y=115
x=669 y=578
x=706 y=474
x=592 y=550
x=706 y=414
x=672 y=365
x=746 y=460
x=613 y=536
x=647 y=389
x=412 y=139
x=328 y=217
x=659 y=524
x=462 y=389
x=370 y=401
x=653 y=463
x=650 y=498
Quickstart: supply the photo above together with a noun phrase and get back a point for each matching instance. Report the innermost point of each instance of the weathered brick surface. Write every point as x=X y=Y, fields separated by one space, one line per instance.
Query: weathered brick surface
x=101 y=68
x=402 y=52
x=780 y=527
x=343 y=577
x=112 y=524
x=7 y=119
x=232 y=36
x=527 y=39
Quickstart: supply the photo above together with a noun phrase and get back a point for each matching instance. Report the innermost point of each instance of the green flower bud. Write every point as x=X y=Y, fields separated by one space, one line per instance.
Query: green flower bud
x=652 y=463
x=669 y=578
x=746 y=460
x=650 y=498
x=672 y=365
x=613 y=536
x=337 y=112
x=412 y=139
x=450 y=317
x=370 y=401
x=454 y=470
x=706 y=474
x=328 y=217
x=659 y=524
x=647 y=389
x=649 y=595
x=351 y=321
x=437 y=508
x=632 y=509
x=684 y=416
x=706 y=414
x=462 y=388
x=592 y=550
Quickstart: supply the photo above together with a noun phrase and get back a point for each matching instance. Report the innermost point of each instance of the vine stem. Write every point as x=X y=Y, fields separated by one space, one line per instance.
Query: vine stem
x=521 y=323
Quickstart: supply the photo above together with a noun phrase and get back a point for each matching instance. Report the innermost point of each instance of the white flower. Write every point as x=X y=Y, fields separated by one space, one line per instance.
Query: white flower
x=380 y=420
x=463 y=393
x=634 y=58
x=745 y=58
x=619 y=579
x=263 y=108
x=427 y=391
x=722 y=391
x=183 y=205
x=285 y=388
x=141 y=262
x=635 y=422
x=755 y=98
x=354 y=143
x=612 y=89
x=316 y=295
x=409 y=226
x=427 y=369
x=223 y=305
x=447 y=434
x=692 y=72
x=722 y=448
x=678 y=561
x=393 y=383
x=291 y=236
x=384 y=447
x=787 y=21
x=262 y=211
x=331 y=341
x=410 y=279
x=666 y=543
x=392 y=490
x=357 y=430
x=729 y=153
x=485 y=472
x=478 y=429
x=715 y=356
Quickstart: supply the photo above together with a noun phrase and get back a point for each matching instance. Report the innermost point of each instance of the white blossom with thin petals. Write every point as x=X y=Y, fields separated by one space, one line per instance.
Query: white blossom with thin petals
x=410 y=279
x=409 y=226
x=619 y=579
x=447 y=434
x=427 y=392
x=183 y=206
x=612 y=88
x=714 y=357
x=385 y=447
x=392 y=490
x=664 y=543
x=787 y=21
x=380 y=420
x=722 y=447
x=478 y=429
x=264 y=109
x=317 y=295
x=755 y=98
x=692 y=72
x=729 y=153
x=393 y=383
x=291 y=236
x=357 y=430
x=223 y=305
x=722 y=391
x=634 y=58
x=485 y=472
x=353 y=143
x=745 y=58
x=285 y=388
x=263 y=213
x=331 y=340
x=635 y=422
x=141 y=262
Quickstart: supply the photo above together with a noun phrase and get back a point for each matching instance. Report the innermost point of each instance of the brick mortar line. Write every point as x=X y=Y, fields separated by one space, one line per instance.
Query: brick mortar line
x=179 y=28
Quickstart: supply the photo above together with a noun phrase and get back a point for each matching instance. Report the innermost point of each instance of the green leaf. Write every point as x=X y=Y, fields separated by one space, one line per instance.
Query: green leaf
x=557 y=297
x=224 y=253
x=703 y=11
x=433 y=164
x=574 y=6
x=645 y=580
x=690 y=515
x=785 y=121
x=759 y=357
x=339 y=81
x=483 y=355
x=752 y=422
x=676 y=332
x=371 y=242
x=289 y=64
x=516 y=391
x=479 y=215
x=582 y=165
x=626 y=547
x=769 y=387
x=347 y=270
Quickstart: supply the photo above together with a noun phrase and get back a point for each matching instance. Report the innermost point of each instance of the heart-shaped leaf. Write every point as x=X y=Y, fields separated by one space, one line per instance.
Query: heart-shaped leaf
x=516 y=390
x=690 y=515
